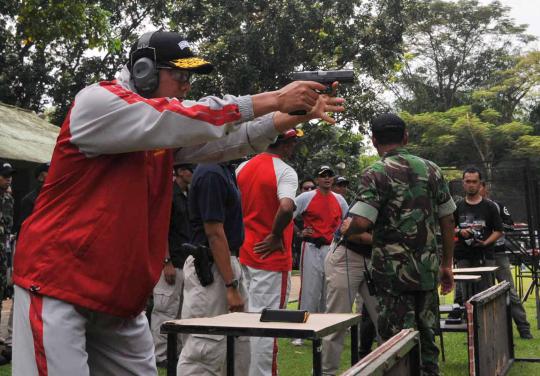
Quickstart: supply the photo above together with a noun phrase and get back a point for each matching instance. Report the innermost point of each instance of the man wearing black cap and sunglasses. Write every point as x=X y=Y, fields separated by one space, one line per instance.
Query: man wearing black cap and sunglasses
x=322 y=211
x=92 y=250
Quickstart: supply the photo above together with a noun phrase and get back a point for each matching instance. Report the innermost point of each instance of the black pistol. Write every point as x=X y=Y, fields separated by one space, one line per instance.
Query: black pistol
x=203 y=261
x=325 y=77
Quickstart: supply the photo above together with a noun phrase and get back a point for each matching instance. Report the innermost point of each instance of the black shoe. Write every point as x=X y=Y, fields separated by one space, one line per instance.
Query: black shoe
x=7 y=353
x=162 y=364
x=526 y=335
x=4 y=360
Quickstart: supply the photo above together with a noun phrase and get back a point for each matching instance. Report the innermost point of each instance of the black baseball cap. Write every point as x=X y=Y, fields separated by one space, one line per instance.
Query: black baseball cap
x=341 y=180
x=6 y=169
x=324 y=168
x=387 y=122
x=172 y=50
x=44 y=167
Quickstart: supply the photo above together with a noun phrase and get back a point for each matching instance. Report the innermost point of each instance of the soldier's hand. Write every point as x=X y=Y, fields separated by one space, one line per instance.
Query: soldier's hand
x=308 y=231
x=447 y=280
x=169 y=272
x=234 y=300
x=270 y=244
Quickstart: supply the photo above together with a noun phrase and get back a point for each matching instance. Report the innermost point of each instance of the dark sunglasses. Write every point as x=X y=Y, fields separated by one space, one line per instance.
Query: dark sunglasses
x=326 y=175
x=308 y=187
x=179 y=75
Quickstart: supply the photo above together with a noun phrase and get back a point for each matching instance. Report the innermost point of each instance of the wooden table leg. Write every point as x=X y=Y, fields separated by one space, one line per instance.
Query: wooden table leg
x=317 y=359
x=171 y=354
x=230 y=355
x=354 y=344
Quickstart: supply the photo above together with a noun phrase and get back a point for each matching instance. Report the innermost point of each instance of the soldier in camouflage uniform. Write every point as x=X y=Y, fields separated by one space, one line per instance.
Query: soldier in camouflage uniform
x=6 y=221
x=403 y=198
x=6 y=224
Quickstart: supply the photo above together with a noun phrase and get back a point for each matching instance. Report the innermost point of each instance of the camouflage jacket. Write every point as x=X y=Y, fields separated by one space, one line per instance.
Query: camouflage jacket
x=404 y=195
x=6 y=214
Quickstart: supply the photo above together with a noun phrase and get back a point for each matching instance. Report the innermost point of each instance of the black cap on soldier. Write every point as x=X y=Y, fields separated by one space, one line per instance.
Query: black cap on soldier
x=172 y=50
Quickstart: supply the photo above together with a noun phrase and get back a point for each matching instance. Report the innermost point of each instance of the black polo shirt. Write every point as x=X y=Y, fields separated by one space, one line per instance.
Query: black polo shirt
x=214 y=197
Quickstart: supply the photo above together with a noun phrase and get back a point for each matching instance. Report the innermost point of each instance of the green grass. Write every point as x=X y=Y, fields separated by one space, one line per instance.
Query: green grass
x=297 y=361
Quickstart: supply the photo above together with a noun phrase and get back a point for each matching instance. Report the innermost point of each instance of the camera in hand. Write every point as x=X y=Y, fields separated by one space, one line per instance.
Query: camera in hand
x=476 y=236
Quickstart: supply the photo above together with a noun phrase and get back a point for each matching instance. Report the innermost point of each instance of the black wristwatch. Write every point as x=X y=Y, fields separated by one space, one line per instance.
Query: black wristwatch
x=167 y=260
x=233 y=284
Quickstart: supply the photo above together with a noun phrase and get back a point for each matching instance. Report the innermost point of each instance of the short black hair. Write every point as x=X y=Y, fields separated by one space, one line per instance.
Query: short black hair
x=305 y=180
x=472 y=170
x=183 y=166
x=388 y=129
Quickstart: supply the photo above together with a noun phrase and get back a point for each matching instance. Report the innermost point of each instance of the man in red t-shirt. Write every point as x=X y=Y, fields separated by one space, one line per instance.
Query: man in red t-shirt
x=322 y=211
x=268 y=186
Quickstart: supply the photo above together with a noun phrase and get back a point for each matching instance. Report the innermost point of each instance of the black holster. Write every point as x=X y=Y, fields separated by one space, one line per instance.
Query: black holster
x=369 y=283
x=203 y=261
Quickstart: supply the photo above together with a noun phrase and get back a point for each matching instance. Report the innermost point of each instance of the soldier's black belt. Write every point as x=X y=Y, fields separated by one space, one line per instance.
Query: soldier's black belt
x=319 y=242
x=359 y=249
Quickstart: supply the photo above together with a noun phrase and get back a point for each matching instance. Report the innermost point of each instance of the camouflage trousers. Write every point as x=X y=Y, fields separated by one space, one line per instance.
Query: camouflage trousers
x=417 y=310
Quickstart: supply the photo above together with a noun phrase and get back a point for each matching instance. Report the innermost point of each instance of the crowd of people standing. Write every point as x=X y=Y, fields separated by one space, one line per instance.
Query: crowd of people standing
x=109 y=228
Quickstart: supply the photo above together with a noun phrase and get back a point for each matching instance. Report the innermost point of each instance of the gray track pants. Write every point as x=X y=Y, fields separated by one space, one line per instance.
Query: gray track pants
x=53 y=337
x=312 y=289
x=267 y=289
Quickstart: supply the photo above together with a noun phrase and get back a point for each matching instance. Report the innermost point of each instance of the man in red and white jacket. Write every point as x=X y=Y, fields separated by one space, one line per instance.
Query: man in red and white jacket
x=95 y=244
x=268 y=186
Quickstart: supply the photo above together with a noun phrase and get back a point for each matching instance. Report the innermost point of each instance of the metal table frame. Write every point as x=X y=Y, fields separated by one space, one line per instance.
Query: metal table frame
x=172 y=328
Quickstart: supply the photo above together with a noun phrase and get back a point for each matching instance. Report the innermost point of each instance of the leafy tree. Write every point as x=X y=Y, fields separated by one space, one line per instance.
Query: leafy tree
x=257 y=44
x=453 y=48
x=519 y=82
x=49 y=50
x=460 y=136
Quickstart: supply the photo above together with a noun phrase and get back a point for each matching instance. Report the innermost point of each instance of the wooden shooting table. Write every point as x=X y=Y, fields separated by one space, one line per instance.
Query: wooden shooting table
x=243 y=324
x=488 y=271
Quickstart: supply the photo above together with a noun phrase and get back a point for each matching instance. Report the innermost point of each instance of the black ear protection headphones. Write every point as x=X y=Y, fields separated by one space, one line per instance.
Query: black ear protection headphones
x=144 y=70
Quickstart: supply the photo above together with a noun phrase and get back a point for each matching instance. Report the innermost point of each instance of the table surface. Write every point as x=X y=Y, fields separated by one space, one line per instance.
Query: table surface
x=481 y=269
x=467 y=277
x=317 y=325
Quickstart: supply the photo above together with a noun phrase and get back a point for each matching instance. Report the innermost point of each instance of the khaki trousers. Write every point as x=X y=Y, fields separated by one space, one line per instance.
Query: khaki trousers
x=342 y=287
x=204 y=354
x=167 y=306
